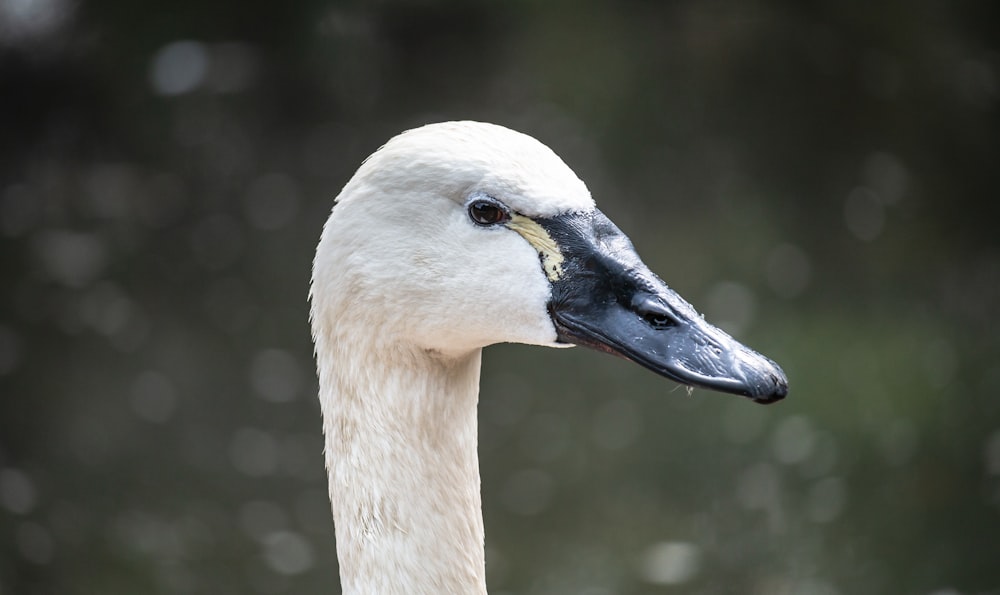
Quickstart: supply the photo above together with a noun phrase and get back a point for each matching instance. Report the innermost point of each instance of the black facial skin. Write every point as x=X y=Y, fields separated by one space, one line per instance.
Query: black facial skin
x=608 y=300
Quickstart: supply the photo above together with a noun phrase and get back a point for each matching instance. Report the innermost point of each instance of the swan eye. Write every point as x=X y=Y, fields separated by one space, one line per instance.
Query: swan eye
x=485 y=212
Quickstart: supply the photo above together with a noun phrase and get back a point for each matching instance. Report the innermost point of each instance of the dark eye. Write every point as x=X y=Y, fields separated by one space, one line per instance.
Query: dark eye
x=485 y=212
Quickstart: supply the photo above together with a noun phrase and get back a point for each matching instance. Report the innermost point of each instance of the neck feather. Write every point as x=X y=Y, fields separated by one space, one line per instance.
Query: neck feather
x=401 y=453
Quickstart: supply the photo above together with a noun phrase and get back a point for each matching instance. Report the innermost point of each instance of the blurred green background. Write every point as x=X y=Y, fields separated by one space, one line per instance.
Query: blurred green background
x=820 y=178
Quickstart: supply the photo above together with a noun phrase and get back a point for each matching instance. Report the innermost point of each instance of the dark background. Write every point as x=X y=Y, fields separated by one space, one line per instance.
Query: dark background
x=820 y=178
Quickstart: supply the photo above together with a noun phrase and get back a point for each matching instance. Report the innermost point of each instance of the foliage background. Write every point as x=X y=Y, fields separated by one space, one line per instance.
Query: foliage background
x=818 y=177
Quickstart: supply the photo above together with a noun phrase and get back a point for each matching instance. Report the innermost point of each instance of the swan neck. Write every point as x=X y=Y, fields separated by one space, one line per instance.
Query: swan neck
x=401 y=451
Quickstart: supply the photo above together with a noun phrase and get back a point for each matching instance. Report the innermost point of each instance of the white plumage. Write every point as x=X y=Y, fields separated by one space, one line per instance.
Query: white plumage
x=406 y=290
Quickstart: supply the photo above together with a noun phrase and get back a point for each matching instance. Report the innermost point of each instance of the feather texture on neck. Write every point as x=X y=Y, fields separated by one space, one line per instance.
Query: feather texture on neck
x=403 y=467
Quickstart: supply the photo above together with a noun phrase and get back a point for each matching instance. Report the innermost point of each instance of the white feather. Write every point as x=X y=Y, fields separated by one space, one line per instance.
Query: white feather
x=406 y=291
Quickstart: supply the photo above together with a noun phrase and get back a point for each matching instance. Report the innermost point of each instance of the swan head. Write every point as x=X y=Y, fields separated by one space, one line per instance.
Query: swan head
x=458 y=235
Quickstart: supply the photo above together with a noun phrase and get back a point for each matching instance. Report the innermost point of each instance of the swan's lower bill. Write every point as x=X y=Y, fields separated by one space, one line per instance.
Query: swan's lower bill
x=605 y=298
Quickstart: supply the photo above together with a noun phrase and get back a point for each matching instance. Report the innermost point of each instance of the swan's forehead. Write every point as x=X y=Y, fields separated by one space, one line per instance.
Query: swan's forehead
x=457 y=159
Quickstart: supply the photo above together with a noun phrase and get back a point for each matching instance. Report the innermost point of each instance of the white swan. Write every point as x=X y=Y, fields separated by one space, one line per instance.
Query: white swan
x=449 y=238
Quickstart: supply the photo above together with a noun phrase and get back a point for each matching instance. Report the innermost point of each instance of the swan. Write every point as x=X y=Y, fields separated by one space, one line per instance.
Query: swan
x=451 y=237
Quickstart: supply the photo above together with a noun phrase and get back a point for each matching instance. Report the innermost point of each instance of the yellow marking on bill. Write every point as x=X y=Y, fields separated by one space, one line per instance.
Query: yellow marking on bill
x=540 y=240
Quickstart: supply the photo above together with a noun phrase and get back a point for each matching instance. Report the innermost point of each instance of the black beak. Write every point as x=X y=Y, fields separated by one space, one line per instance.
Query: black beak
x=605 y=298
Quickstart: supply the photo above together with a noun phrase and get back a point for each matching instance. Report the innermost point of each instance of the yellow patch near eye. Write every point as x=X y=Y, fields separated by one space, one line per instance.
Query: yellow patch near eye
x=540 y=240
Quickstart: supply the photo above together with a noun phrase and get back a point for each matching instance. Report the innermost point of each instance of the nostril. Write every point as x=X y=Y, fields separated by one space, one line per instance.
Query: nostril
x=657 y=321
x=653 y=312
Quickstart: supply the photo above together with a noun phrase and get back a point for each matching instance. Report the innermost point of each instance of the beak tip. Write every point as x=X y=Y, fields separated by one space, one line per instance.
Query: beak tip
x=774 y=390
x=773 y=397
